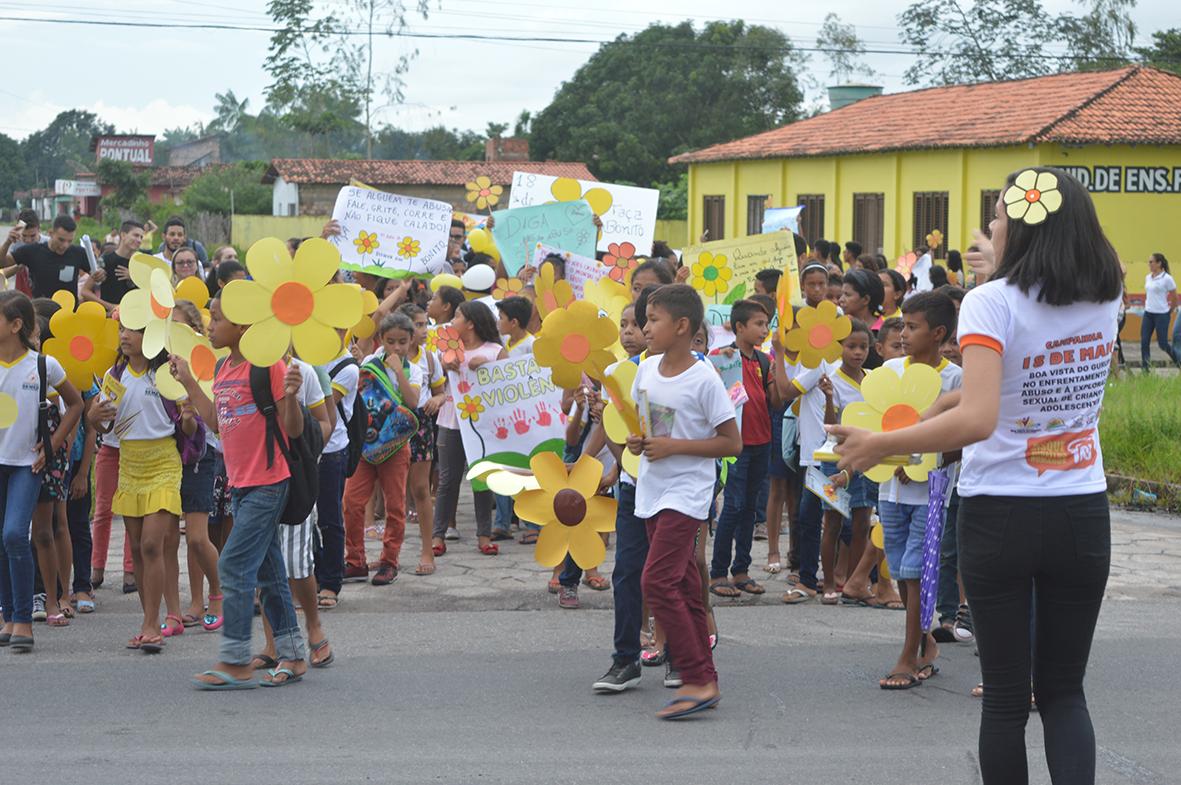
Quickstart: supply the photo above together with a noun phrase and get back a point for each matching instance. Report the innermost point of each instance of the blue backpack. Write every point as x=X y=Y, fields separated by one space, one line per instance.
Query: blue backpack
x=390 y=424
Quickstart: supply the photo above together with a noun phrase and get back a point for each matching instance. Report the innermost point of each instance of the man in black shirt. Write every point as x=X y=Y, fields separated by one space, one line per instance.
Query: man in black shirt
x=115 y=264
x=54 y=265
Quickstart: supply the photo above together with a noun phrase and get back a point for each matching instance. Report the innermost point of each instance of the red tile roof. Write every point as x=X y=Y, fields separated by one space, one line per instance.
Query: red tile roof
x=1131 y=105
x=319 y=170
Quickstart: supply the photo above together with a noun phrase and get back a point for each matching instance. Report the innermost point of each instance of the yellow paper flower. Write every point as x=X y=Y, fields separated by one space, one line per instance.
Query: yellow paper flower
x=818 y=334
x=934 y=239
x=409 y=248
x=366 y=242
x=198 y=353
x=566 y=508
x=470 y=408
x=85 y=341
x=551 y=295
x=149 y=306
x=483 y=193
x=507 y=287
x=1032 y=197
x=893 y=402
x=574 y=341
x=567 y=189
x=711 y=274
x=783 y=297
x=432 y=339
x=366 y=326
x=194 y=290
x=619 y=416
x=611 y=298
x=291 y=301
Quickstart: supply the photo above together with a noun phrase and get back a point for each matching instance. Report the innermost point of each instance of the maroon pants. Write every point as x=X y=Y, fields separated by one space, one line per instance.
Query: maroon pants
x=672 y=588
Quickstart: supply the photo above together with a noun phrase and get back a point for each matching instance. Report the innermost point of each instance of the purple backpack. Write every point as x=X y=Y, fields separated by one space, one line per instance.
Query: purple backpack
x=191 y=448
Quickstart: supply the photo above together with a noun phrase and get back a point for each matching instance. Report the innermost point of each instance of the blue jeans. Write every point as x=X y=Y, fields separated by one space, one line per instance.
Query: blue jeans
x=948 y=599
x=329 y=553
x=1158 y=323
x=737 y=523
x=252 y=557
x=631 y=552
x=904 y=526
x=18 y=495
x=504 y=514
x=809 y=535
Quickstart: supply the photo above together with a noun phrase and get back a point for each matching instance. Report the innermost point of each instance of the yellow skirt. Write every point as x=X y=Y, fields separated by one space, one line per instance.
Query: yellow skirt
x=149 y=478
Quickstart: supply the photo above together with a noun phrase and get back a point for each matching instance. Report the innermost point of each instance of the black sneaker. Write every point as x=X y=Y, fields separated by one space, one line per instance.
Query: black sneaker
x=622 y=676
x=963 y=631
x=672 y=676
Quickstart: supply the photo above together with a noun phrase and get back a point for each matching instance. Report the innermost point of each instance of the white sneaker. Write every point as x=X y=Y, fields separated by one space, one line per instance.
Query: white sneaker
x=452 y=534
x=39 y=613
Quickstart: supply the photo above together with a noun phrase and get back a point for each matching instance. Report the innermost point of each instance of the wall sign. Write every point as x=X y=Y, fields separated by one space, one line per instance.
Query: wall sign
x=1127 y=179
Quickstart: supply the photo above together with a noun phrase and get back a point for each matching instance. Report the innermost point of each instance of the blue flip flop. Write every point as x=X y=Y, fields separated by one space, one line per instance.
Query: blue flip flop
x=228 y=682
x=694 y=707
x=291 y=675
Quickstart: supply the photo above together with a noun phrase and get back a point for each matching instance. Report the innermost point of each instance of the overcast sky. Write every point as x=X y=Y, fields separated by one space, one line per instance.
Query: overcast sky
x=151 y=79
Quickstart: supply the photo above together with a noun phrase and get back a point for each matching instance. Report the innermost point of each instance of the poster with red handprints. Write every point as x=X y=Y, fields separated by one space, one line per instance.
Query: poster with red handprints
x=508 y=410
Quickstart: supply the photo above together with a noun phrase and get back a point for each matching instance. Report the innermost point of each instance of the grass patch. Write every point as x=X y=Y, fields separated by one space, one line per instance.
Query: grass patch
x=1140 y=427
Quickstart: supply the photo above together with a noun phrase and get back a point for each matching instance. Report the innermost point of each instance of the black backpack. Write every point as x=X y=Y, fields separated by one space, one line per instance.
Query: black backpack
x=355 y=425
x=43 y=432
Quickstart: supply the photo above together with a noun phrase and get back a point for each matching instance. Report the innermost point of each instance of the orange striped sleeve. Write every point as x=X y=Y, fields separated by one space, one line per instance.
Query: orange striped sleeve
x=977 y=339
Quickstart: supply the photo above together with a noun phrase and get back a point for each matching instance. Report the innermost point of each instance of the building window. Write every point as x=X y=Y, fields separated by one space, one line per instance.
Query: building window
x=988 y=210
x=869 y=221
x=756 y=206
x=715 y=217
x=812 y=218
x=930 y=213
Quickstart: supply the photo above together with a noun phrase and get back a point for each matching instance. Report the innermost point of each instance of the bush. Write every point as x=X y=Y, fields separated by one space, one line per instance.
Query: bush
x=1140 y=427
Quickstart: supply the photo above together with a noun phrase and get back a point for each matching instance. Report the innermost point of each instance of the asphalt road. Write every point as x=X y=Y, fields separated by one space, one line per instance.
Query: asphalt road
x=504 y=697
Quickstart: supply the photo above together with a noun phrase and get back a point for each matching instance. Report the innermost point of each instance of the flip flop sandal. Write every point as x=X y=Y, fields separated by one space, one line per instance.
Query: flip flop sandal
x=863 y=601
x=749 y=586
x=149 y=646
x=652 y=659
x=911 y=682
x=830 y=598
x=328 y=661
x=439 y=550
x=135 y=642
x=57 y=620
x=694 y=707
x=189 y=620
x=227 y=682
x=553 y=586
x=598 y=583
x=327 y=602
x=930 y=669
x=714 y=590
x=265 y=662
x=292 y=678
x=86 y=606
x=425 y=569
x=773 y=568
x=67 y=610
x=500 y=536
x=797 y=596
x=490 y=549
x=528 y=538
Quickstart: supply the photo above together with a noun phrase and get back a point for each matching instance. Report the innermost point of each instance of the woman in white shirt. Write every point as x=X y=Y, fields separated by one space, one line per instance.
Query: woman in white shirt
x=1160 y=298
x=1034 y=524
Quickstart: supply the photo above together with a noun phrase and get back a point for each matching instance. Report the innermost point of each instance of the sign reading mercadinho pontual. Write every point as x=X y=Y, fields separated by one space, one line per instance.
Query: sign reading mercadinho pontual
x=1128 y=179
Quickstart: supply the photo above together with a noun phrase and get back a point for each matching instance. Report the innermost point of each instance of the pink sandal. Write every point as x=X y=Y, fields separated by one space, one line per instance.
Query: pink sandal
x=211 y=622
x=168 y=631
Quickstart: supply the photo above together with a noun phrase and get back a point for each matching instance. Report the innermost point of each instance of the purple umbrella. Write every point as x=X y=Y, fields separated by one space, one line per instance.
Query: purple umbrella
x=937 y=483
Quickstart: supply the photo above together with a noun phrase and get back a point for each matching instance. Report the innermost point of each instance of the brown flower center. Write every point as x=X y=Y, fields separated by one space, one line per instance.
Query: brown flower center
x=569 y=507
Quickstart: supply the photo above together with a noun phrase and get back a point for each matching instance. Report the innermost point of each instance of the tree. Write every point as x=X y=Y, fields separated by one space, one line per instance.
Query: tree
x=1100 y=38
x=230 y=113
x=63 y=147
x=1165 y=51
x=211 y=192
x=521 y=126
x=128 y=184
x=843 y=49
x=666 y=90
x=14 y=174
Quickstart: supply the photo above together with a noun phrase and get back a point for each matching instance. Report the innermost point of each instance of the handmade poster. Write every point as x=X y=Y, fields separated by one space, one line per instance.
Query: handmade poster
x=391 y=235
x=730 y=369
x=818 y=483
x=724 y=271
x=717 y=321
x=628 y=213
x=777 y=219
x=580 y=270
x=517 y=232
x=509 y=411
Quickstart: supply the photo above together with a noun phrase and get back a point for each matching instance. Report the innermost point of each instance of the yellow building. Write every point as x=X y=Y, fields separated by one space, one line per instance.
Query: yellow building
x=888 y=169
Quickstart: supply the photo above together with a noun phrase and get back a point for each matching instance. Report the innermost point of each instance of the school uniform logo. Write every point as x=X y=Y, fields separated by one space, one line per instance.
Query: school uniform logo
x=1062 y=451
x=1026 y=425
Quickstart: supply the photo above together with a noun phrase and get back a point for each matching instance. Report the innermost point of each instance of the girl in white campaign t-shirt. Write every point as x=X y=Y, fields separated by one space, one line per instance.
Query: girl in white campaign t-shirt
x=1160 y=298
x=1036 y=343
x=22 y=457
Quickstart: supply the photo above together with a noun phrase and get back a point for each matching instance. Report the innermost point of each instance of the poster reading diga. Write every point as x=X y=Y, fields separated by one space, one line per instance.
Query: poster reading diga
x=508 y=411
x=391 y=235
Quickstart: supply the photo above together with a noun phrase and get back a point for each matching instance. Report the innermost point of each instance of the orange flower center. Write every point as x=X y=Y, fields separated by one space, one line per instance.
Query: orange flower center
x=569 y=507
x=160 y=311
x=820 y=336
x=292 y=302
x=900 y=415
x=81 y=348
x=1032 y=195
x=575 y=348
x=203 y=362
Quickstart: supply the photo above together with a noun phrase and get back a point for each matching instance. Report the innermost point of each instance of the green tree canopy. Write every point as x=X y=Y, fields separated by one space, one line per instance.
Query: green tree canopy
x=666 y=90
x=14 y=175
x=63 y=147
x=1165 y=52
x=210 y=192
x=128 y=184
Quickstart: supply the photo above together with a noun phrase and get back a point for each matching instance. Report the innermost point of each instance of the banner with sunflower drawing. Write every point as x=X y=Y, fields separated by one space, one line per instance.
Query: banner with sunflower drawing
x=723 y=271
x=391 y=235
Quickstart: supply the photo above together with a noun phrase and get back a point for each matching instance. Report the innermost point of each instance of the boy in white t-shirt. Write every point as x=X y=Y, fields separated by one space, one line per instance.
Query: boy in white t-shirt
x=928 y=318
x=689 y=423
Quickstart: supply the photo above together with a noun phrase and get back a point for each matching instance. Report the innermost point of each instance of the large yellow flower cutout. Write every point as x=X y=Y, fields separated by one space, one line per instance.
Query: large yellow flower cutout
x=202 y=358
x=551 y=295
x=784 y=296
x=1032 y=197
x=482 y=193
x=619 y=416
x=892 y=402
x=574 y=341
x=711 y=274
x=365 y=242
x=567 y=189
x=611 y=298
x=290 y=301
x=366 y=327
x=149 y=306
x=818 y=334
x=85 y=341
x=566 y=508
x=507 y=287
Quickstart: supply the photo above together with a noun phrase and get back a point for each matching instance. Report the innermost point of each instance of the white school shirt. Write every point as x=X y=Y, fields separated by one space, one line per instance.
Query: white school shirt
x=1055 y=363
x=20 y=380
x=141 y=414
x=690 y=405
x=345 y=383
x=844 y=390
x=811 y=415
x=951 y=377
x=432 y=370
x=521 y=347
x=1156 y=292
